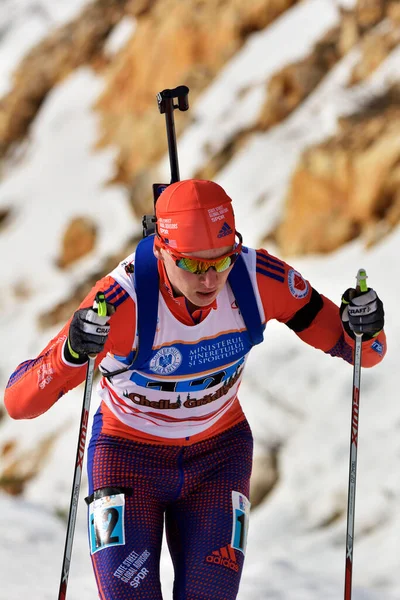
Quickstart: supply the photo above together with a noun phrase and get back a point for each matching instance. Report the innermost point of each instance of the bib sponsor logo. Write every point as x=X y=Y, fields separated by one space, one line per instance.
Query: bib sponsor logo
x=242 y=500
x=297 y=285
x=166 y=361
x=166 y=404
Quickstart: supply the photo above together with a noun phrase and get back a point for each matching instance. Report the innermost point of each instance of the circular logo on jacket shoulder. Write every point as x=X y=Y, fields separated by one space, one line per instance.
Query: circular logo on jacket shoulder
x=166 y=361
x=297 y=285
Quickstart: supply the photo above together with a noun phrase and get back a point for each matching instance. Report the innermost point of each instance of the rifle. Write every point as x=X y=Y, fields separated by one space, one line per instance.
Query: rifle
x=166 y=105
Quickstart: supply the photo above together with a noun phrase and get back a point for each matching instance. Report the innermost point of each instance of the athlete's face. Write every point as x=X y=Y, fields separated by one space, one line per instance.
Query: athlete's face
x=199 y=290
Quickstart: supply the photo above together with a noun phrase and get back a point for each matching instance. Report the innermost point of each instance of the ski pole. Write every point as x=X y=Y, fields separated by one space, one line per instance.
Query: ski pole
x=80 y=453
x=355 y=411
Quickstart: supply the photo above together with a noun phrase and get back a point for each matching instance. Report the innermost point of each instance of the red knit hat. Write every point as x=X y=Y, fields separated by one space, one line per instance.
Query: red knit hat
x=195 y=215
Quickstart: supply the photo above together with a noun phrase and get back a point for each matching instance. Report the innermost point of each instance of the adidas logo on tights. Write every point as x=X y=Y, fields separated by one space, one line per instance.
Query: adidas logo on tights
x=224 y=556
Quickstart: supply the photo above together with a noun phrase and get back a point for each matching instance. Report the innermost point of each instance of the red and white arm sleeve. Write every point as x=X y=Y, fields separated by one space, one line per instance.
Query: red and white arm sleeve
x=37 y=384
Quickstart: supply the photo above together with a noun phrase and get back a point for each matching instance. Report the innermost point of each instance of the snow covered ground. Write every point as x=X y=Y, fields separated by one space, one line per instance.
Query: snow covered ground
x=296 y=549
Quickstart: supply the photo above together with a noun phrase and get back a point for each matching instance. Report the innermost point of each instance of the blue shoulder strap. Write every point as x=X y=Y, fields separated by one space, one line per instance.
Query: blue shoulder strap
x=147 y=290
x=147 y=287
x=242 y=288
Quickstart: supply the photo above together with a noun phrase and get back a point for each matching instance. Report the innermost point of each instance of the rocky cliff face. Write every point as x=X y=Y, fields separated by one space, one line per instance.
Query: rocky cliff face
x=78 y=43
x=175 y=43
x=348 y=186
x=189 y=43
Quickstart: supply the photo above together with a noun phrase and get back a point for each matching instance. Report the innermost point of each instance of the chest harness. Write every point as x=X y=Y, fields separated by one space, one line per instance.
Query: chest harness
x=146 y=280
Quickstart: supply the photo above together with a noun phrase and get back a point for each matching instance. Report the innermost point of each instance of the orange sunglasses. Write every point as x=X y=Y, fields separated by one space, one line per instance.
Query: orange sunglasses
x=199 y=266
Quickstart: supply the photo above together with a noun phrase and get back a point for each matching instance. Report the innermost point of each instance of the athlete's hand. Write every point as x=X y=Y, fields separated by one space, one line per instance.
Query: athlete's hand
x=88 y=331
x=362 y=312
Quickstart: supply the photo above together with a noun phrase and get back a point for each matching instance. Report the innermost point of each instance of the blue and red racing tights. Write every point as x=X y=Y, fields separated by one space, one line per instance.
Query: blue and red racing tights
x=201 y=490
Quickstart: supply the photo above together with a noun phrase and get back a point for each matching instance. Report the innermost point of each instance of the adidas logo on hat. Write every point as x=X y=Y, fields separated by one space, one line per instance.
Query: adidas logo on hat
x=195 y=215
x=225 y=230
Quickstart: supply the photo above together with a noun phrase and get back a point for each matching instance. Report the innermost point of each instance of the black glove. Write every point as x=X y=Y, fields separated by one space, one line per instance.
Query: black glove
x=362 y=312
x=88 y=333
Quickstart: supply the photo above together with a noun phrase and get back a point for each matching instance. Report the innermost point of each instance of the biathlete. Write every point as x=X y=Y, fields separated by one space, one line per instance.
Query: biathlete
x=170 y=441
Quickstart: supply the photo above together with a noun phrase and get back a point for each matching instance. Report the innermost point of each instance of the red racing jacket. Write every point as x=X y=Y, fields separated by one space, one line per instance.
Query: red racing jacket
x=286 y=296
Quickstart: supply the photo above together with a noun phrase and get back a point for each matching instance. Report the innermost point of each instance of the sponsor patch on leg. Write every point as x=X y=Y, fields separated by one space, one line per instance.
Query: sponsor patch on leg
x=106 y=521
x=131 y=570
x=241 y=514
